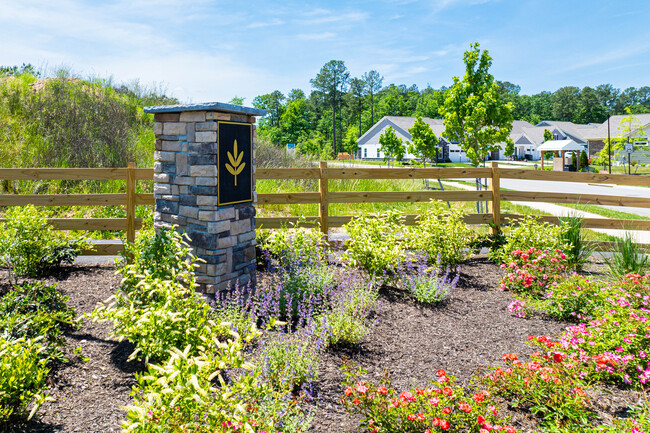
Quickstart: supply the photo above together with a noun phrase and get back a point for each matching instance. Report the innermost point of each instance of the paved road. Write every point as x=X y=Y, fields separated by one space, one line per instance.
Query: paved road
x=583 y=188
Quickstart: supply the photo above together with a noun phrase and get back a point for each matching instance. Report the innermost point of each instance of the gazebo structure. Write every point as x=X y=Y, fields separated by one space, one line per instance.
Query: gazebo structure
x=560 y=148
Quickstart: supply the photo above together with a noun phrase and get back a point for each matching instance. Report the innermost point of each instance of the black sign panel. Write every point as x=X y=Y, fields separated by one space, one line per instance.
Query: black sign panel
x=234 y=163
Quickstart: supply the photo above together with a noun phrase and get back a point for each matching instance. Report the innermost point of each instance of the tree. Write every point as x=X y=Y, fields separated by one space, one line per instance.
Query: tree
x=474 y=114
x=350 y=143
x=391 y=145
x=548 y=135
x=373 y=85
x=358 y=89
x=424 y=142
x=295 y=121
x=331 y=81
x=584 y=159
x=270 y=124
x=631 y=129
x=564 y=103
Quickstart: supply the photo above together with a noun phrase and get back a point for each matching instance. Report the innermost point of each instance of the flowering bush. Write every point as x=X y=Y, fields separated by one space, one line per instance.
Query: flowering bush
x=530 y=233
x=532 y=270
x=575 y=298
x=546 y=386
x=443 y=406
x=427 y=284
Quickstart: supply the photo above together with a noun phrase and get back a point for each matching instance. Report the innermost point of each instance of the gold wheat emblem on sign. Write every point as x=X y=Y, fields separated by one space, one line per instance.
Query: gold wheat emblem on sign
x=236 y=166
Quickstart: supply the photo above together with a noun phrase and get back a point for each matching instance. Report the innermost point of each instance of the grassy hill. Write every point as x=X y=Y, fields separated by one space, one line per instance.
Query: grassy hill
x=69 y=122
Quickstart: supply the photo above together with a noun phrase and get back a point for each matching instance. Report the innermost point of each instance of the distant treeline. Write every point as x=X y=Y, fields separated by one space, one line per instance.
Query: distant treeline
x=357 y=103
x=68 y=122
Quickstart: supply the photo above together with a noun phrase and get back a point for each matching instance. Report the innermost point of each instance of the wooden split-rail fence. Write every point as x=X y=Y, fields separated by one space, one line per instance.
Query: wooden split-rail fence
x=324 y=174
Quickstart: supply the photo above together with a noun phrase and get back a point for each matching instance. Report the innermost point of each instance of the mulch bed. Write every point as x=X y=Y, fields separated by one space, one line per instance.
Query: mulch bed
x=471 y=330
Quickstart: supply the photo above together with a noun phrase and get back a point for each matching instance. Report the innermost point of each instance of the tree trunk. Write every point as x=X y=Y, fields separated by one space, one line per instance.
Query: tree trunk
x=372 y=110
x=334 y=126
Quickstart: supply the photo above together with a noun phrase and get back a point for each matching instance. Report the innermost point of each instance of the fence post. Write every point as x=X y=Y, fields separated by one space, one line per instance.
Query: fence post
x=323 y=209
x=495 y=187
x=130 y=202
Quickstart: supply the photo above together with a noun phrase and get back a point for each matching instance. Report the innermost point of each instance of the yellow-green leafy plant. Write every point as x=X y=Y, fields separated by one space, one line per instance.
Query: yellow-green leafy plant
x=441 y=233
x=376 y=244
x=29 y=246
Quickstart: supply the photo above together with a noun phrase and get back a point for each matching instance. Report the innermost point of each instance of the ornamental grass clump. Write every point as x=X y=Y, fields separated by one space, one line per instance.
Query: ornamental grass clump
x=442 y=406
x=427 y=284
x=627 y=257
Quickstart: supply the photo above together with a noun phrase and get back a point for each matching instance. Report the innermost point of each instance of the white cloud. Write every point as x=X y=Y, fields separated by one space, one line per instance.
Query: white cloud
x=270 y=23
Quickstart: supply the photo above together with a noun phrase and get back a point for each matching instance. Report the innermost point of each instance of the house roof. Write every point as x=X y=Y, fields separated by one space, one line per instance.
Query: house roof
x=401 y=124
x=560 y=145
x=616 y=125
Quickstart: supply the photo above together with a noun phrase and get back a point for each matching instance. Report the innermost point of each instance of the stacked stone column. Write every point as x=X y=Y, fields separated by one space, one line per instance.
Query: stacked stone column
x=185 y=192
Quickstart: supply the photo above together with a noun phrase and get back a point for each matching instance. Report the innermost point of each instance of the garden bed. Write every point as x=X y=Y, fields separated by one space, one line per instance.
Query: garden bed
x=471 y=329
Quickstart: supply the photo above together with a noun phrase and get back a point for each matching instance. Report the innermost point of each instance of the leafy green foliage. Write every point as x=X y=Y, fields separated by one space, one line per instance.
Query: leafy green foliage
x=157 y=304
x=577 y=249
x=475 y=116
x=529 y=233
x=34 y=310
x=23 y=373
x=391 y=145
x=288 y=361
x=424 y=142
x=627 y=257
x=441 y=233
x=30 y=247
x=375 y=243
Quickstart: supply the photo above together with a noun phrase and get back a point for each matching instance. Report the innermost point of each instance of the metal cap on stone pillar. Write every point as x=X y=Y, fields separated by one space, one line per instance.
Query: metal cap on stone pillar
x=204 y=184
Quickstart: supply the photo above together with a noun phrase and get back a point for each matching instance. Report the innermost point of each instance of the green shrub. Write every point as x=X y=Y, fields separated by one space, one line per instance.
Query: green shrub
x=190 y=394
x=576 y=299
x=30 y=247
x=23 y=373
x=157 y=308
x=375 y=243
x=287 y=361
x=34 y=309
x=347 y=320
x=441 y=233
x=530 y=233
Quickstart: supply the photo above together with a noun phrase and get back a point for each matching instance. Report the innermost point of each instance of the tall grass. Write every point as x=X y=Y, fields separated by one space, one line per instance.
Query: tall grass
x=579 y=250
x=627 y=257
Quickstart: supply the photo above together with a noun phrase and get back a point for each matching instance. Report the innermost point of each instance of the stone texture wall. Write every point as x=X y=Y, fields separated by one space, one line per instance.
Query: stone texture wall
x=185 y=190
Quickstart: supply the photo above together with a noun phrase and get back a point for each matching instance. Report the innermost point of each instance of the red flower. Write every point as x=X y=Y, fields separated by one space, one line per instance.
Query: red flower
x=381 y=390
x=441 y=373
x=447 y=391
x=444 y=424
x=446 y=410
x=465 y=407
x=434 y=401
x=579 y=391
x=435 y=422
x=362 y=388
x=411 y=417
x=348 y=391
x=356 y=401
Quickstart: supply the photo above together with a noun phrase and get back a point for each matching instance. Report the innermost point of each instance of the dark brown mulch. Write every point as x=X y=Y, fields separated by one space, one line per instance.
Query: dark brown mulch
x=88 y=394
x=471 y=329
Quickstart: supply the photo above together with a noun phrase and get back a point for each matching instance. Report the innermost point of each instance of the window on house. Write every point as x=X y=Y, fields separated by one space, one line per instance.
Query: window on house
x=378 y=153
x=365 y=153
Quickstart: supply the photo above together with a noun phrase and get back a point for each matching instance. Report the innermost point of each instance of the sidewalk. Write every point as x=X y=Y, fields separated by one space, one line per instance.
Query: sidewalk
x=639 y=236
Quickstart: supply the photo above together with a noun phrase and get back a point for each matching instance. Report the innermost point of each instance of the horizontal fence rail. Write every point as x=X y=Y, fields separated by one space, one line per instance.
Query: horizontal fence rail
x=323 y=197
x=494 y=194
x=130 y=199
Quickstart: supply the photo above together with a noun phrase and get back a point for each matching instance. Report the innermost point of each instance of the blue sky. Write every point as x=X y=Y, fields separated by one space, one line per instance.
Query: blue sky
x=204 y=50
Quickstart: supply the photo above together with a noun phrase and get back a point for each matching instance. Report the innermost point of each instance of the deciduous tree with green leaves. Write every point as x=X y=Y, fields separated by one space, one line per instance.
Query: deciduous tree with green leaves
x=548 y=135
x=475 y=115
x=424 y=142
x=391 y=145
